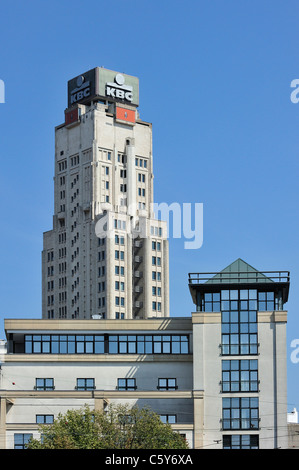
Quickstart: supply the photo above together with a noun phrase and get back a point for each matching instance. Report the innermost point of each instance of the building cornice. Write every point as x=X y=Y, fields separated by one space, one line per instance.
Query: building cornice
x=152 y=324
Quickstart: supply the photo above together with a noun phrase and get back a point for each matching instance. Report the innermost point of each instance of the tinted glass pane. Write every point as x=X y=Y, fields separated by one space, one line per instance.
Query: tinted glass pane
x=113 y=348
x=225 y=294
x=225 y=305
x=184 y=348
x=122 y=348
x=99 y=347
x=234 y=295
x=37 y=347
x=244 y=294
x=225 y=317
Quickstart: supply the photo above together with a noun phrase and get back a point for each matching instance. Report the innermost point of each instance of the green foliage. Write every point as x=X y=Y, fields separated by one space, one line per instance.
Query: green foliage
x=118 y=427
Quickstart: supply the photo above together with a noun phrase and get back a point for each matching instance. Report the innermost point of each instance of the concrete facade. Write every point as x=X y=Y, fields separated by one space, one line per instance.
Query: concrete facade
x=186 y=351
x=107 y=255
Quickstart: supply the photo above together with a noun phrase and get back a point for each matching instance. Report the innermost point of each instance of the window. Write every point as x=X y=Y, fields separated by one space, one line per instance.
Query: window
x=119 y=315
x=120 y=270
x=239 y=322
x=266 y=301
x=105 y=344
x=62 y=165
x=171 y=419
x=126 y=384
x=167 y=384
x=44 y=419
x=243 y=441
x=240 y=376
x=211 y=302
x=240 y=413
x=64 y=344
x=85 y=384
x=44 y=384
x=21 y=440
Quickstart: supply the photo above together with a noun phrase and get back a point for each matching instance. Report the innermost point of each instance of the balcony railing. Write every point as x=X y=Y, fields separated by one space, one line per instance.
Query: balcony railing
x=239 y=277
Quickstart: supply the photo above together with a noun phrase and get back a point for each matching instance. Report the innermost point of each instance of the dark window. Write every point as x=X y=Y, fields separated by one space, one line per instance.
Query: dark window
x=167 y=384
x=126 y=384
x=240 y=376
x=107 y=344
x=243 y=441
x=85 y=384
x=239 y=321
x=211 y=302
x=21 y=440
x=171 y=419
x=266 y=301
x=44 y=384
x=44 y=419
x=240 y=413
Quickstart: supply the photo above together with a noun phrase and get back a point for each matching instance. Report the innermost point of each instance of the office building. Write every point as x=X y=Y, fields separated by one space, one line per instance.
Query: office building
x=106 y=256
x=217 y=375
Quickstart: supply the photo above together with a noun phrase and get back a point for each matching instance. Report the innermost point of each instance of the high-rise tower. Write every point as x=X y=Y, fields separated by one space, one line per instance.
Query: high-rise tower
x=107 y=254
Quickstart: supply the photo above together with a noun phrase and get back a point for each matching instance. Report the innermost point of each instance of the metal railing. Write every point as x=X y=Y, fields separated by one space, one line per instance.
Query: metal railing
x=239 y=277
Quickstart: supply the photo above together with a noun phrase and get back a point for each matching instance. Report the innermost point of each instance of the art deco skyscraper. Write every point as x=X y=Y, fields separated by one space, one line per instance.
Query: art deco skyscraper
x=107 y=254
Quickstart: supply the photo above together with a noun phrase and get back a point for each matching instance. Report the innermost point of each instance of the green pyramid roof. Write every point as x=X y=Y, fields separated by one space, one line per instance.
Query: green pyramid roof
x=239 y=272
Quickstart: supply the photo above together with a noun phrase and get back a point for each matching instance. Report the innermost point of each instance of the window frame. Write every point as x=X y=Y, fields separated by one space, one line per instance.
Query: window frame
x=126 y=386
x=167 y=385
x=85 y=386
x=44 y=386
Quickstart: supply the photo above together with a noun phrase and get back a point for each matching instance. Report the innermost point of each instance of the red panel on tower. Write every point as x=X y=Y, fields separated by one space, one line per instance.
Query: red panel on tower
x=124 y=114
x=71 y=116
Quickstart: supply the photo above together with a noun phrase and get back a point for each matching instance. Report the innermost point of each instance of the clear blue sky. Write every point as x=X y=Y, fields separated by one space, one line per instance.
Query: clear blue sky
x=214 y=81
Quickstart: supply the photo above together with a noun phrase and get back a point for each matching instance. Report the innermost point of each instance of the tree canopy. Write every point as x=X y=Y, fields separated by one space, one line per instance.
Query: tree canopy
x=116 y=427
